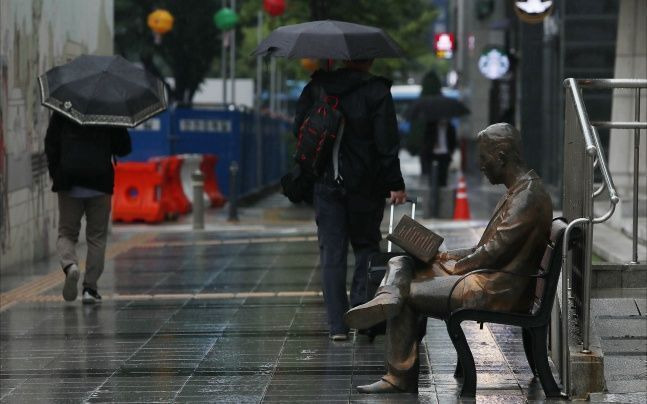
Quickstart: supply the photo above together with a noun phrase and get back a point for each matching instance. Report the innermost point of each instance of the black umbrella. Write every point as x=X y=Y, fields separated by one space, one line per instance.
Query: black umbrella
x=102 y=90
x=436 y=107
x=329 y=39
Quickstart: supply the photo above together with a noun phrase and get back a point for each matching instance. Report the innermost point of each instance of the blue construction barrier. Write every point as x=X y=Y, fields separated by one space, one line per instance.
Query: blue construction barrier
x=231 y=135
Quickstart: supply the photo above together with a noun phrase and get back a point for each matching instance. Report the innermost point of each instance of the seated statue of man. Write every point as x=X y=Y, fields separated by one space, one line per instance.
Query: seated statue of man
x=514 y=241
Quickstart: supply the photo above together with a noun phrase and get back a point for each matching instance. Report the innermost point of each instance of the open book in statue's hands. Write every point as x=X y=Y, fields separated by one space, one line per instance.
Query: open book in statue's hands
x=415 y=239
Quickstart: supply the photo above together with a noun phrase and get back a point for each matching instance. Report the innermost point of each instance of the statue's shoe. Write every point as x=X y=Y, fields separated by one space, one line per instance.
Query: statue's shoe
x=383 y=387
x=383 y=306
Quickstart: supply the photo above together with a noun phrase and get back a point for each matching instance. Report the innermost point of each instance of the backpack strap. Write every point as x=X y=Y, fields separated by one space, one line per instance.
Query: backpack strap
x=321 y=94
x=335 y=153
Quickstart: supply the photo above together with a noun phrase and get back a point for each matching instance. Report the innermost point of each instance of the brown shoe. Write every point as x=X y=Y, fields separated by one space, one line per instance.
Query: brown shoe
x=383 y=387
x=383 y=306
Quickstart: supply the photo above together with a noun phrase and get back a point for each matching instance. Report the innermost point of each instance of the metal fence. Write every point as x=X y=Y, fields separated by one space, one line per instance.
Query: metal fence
x=260 y=147
x=583 y=154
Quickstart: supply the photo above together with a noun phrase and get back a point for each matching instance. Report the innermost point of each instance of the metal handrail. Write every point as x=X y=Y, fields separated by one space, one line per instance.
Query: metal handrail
x=566 y=363
x=611 y=83
x=608 y=181
x=594 y=149
x=619 y=125
x=583 y=118
x=598 y=191
x=592 y=141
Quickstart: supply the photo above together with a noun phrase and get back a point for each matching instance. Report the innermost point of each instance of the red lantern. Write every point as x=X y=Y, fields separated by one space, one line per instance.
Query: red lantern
x=274 y=7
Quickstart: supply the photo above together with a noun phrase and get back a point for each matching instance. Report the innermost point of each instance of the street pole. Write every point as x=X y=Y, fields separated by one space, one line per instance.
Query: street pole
x=257 y=112
x=279 y=88
x=233 y=192
x=198 y=199
x=223 y=67
x=232 y=64
x=272 y=84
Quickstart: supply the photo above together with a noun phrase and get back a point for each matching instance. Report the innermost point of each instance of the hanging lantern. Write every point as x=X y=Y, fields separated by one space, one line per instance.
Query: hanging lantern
x=274 y=7
x=225 y=19
x=160 y=22
x=310 y=64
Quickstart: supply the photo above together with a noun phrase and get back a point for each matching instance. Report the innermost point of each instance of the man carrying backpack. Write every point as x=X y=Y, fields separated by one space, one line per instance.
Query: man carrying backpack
x=79 y=160
x=351 y=187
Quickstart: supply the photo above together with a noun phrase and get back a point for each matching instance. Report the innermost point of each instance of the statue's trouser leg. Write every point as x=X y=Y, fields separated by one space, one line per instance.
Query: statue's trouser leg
x=427 y=297
x=400 y=272
x=402 y=365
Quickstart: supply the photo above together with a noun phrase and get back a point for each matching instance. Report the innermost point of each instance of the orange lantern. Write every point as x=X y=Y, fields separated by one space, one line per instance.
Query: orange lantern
x=160 y=22
x=310 y=64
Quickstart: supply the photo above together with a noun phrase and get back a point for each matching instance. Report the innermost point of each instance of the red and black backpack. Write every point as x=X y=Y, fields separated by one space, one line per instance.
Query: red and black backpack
x=320 y=133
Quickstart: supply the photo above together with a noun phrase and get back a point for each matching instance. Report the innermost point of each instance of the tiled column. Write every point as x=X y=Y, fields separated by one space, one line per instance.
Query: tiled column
x=631 y=62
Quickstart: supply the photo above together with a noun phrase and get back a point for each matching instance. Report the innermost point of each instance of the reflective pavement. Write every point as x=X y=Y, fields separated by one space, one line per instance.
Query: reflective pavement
x=225 y=317
x=222 y=316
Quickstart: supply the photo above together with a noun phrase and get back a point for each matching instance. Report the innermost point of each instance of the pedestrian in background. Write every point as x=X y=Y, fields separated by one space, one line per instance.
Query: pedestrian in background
x=438 y=145
x=80 y=162
x=352 y=210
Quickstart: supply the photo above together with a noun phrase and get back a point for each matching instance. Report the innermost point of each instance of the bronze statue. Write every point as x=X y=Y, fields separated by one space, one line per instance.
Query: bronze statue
x=514 y=241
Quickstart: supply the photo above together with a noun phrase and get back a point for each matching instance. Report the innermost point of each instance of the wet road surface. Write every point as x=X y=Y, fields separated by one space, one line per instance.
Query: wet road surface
x=226 y=317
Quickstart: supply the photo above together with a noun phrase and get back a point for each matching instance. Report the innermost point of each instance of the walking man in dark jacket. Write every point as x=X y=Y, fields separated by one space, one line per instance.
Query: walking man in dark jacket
x=352 y=210
x=79 y=160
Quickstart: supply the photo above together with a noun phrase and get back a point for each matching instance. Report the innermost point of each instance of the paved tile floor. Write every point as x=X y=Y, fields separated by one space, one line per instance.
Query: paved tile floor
x=226 y=317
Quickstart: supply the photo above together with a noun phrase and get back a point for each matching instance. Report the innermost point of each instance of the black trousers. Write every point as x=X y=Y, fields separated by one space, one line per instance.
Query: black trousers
x=342 y=218
x=444 y=160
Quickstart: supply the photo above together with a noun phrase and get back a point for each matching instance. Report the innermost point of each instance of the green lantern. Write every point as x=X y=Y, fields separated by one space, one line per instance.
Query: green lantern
x=225 y=19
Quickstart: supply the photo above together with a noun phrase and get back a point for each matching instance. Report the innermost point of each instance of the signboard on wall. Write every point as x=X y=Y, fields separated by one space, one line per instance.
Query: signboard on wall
x=533 y=11
x=494 y=63
x=444 y=45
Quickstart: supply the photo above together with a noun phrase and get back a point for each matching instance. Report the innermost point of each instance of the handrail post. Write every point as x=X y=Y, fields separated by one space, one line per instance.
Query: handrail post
x=588 y=248
x=634 y=251
x=566 y=269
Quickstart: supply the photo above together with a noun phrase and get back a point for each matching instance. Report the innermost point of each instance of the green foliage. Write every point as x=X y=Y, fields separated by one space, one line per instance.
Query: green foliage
x=186 y=52
x=190 y=52
x=407 y=22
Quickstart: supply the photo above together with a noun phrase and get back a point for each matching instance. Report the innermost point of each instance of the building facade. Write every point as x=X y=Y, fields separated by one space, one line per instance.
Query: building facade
x=36 y=35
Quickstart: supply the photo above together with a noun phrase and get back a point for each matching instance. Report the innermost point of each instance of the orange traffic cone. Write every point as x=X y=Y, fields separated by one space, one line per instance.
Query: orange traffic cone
x=461 y=205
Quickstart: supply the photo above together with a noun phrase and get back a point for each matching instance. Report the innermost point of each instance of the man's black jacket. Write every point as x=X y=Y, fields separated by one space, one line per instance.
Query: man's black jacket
x=82 y=155
x=369 y=162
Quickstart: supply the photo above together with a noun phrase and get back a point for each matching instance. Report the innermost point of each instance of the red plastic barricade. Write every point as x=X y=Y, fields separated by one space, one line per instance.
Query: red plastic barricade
x=174 y=201
x=211 y=188
x=137 y=192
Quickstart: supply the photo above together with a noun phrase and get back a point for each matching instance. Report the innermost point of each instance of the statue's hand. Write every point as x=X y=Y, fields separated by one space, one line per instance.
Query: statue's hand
x=444 y=256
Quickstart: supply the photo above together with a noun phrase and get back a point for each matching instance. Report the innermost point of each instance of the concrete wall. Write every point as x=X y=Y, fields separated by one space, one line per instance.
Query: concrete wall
x=36 y=35
x=631 y=62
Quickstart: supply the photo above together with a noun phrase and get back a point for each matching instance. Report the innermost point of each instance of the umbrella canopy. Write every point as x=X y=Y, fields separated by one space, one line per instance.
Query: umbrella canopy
x=102 y=90
x=329 y=39
x=437 y=107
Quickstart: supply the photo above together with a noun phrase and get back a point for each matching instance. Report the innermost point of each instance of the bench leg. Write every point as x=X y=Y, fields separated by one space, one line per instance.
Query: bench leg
x=527 y=347
x=465 y=359
x=538 y=337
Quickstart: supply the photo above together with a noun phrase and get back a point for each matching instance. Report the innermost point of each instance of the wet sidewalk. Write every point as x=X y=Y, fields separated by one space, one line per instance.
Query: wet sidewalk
x=231 y=314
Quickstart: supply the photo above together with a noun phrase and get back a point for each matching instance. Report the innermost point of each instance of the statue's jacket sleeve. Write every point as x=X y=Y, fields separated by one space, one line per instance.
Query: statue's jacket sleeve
x=514 y=241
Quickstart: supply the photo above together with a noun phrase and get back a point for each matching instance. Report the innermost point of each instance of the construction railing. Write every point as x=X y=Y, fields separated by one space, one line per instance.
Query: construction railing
x=583 y=154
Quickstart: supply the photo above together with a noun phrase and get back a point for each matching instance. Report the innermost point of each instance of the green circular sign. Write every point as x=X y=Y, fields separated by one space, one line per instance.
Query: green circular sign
x=225 y=19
